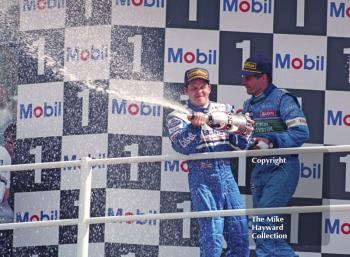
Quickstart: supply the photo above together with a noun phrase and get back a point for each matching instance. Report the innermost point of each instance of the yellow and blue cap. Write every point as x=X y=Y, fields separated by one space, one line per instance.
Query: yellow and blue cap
x=196 y=73
x=257 y=64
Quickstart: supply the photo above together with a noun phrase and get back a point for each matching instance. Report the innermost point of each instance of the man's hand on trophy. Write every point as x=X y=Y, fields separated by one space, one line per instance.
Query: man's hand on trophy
x=250 y=125
x=197 y=118
x=261 y=143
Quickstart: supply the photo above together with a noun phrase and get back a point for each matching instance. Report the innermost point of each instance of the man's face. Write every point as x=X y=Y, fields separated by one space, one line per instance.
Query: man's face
x=198 y=91
x=255 y=84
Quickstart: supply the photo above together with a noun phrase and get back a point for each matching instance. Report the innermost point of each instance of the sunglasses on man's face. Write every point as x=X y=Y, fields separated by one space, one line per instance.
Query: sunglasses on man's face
x=248 y=77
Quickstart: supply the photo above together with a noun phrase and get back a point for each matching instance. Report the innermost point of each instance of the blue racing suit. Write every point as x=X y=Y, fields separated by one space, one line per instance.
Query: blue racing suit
x=211 y=182
x=278 y=117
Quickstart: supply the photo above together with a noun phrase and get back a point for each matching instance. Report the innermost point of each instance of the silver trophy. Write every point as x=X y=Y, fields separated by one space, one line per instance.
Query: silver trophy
x=230 y=122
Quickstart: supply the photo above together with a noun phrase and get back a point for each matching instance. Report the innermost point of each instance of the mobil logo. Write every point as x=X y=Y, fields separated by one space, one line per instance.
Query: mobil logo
x=27 y=216
x=338 y=118
x=336 y=226
x=47 y=110
x=312 y=172
x=141 y=3
x=286 y=61
x=175 y=166
x=123 y=107
x=33 y=5
x=339 y=10
x=253 y=6
x=180 y=55
x=76 y=54
x=122 y=212
x=73 y=157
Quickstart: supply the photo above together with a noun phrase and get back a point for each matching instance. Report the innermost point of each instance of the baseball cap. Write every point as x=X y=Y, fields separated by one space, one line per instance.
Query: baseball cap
x=196 y=73
x=257 y=64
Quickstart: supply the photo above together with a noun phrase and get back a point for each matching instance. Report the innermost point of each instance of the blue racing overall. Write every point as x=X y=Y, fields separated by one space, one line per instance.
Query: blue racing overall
x=278 y=117
x=211 y=182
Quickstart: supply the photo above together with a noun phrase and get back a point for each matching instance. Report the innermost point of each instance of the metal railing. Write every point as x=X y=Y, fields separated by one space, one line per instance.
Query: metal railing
x=86 y=164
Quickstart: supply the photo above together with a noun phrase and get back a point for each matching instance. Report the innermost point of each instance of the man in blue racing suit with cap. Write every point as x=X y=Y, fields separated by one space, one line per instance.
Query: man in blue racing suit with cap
x=278 y=123
x=211 y=181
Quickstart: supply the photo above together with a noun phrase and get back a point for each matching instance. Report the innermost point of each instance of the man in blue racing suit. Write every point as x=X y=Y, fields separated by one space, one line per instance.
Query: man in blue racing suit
x=278 y=123
x=211 y=182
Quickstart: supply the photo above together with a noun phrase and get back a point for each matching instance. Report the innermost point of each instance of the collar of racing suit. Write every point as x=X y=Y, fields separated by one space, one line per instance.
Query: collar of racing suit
x=198 y=109
x=261 y=97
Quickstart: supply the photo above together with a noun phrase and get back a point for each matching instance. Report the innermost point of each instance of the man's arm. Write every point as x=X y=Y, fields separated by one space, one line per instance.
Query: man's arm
x=183 y=134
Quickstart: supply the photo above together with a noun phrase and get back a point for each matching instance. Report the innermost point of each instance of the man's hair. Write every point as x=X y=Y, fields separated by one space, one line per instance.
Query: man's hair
x=269 y=77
